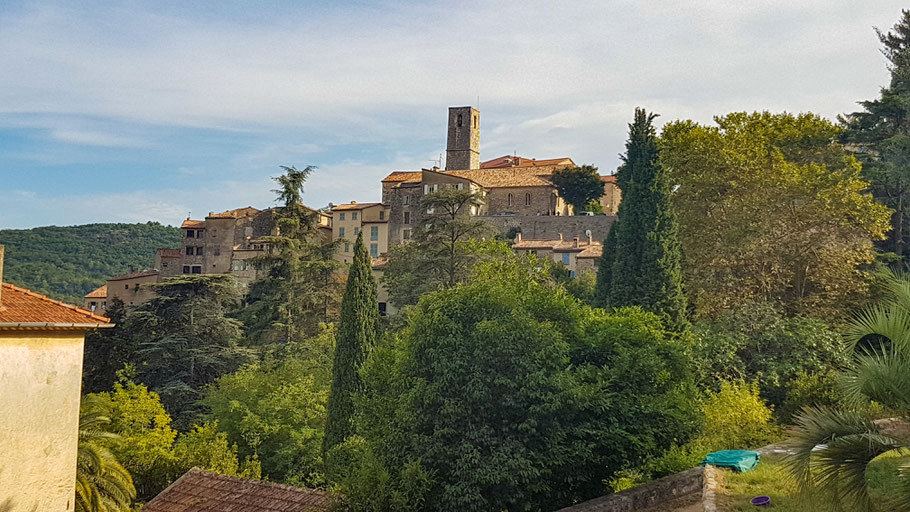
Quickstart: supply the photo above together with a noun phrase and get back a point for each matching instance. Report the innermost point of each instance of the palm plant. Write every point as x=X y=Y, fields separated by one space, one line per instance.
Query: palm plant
x=833 y=448
x=102 y=484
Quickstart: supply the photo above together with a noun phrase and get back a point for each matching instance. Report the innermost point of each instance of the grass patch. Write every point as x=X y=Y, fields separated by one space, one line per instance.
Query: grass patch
x=771 y=478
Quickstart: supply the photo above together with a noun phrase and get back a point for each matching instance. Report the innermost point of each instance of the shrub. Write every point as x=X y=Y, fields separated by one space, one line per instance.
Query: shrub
x=736 y=417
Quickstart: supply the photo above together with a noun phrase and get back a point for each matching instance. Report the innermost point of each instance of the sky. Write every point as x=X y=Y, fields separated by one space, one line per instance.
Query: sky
x=129 y=111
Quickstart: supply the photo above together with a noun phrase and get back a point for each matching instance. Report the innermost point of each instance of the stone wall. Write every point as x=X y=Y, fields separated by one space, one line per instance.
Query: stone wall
x=549 y=227
x=651 y=494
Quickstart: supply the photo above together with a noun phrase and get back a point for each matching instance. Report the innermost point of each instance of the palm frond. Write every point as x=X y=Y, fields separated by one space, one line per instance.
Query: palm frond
x=832 y=449
x=890 y=321
x=878 y=375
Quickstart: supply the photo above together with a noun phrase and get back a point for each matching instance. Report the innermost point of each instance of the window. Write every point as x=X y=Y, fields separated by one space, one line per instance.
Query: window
x=571 y=273
x=405 y=234
x=407 y=199
x=436 y=188
x=381 y=214
x=458 y=122
x=566 y=258
x=382 y=309
x=341 y=232
x=473 y=210
x=217 y=251
x=163 y=264
x=356 y=231
x=475 y=121
x=528 y=199
x=510 y=199
x=347 y=247
x=126 y=287
x=200 y=233
x=189 y=251
x=374 y=232
x=341 y=216
x=407 y=217
x=94 y=305
x=353 y=215
x=190 y=233
x=197 y=269
x=459 y=186
x=426 y=189
x=374 y=250
x=199 y=251
x=186 y=269
x=236 y=265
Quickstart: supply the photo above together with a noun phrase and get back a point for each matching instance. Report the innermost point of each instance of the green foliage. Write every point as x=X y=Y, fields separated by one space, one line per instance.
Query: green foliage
x=102 y=483
x=357 y=333
x=369 y=486
x=850 y=438
x=185 y=341
x=68 y=262
x=107 y=351
x=771 y=209
x=736 y=418
x=301 y=287
x=276 y=410
x=646 y=266
x=582 y=286
x=151 y=450
x=578 y=395
x=579 y=186
x=442 y=254
x=880 y=134
x=756 y=342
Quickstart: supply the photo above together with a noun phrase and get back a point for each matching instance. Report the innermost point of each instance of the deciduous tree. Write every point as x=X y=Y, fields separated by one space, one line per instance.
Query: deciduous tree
x=578 y=185
x=772 y=208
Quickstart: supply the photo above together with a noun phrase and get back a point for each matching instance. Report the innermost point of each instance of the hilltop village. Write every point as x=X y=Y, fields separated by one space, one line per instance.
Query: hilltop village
x=517 y=199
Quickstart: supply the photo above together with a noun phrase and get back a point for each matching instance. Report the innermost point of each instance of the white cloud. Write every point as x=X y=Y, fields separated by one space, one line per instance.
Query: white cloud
x=89 y=138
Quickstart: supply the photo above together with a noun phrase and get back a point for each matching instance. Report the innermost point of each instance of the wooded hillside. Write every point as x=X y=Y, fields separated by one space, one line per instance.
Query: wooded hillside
x=67 y=262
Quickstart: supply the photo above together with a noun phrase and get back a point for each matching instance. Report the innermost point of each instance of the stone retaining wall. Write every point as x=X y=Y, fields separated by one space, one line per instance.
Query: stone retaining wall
x=551 y=226
x=650 y=494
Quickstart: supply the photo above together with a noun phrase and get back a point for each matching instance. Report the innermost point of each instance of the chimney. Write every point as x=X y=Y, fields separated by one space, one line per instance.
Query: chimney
x=576 y=241
x=1 y=275
x=518 y=236
x=590 y=239
x=560 y=237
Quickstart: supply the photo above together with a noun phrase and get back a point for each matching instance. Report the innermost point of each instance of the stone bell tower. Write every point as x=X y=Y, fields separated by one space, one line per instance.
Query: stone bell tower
x=463 y=146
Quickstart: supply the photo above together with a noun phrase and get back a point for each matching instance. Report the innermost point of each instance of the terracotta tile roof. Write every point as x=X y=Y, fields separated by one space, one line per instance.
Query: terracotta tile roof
x=98 y=293
x=402 y=176
x=133 y=275
x=236 y=213
x=608 y=179
x=379 y=263
x=518 y=161
x=354 y=206
x=21 y=306
x=202 y=491
x=193 y=224
x=593 y=251
x=558 y=245
x=165 y=252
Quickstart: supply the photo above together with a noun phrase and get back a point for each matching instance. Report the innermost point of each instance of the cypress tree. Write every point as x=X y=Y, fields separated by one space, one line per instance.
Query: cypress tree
x=646 y=252
x=357 y=332
x=605 y=269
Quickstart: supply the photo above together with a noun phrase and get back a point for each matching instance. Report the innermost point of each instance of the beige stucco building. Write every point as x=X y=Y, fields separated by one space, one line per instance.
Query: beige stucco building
x=41 y=346
x=348 y=220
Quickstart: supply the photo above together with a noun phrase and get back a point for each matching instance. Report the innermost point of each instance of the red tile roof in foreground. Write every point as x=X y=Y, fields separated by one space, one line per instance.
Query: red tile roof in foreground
x=202 y=491
x=19 y=306
x=98 y=293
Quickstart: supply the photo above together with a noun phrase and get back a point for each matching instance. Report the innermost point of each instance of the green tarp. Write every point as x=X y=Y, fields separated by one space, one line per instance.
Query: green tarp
x=740 y=460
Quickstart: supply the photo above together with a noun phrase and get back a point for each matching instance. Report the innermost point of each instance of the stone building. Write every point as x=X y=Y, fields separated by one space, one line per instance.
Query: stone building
x=509 y=186
x=132 y=288
x=612 y=195
x=96 y=300
x=41 y=346
x=576 y=255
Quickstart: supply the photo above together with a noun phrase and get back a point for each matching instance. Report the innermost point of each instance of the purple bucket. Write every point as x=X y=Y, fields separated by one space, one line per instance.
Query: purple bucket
x=761 y=501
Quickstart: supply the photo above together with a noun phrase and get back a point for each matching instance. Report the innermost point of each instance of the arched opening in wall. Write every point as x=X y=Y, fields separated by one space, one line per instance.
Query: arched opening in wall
x=458 y=122
x=510 y=199
x=528 y=199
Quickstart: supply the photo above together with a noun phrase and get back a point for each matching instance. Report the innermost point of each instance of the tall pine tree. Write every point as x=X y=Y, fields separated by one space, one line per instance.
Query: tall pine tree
x=881 y=135
x=357 y=332
x=644 y=243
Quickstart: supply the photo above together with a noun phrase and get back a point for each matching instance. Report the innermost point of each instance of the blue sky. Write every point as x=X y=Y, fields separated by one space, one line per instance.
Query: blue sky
x=128 y=111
